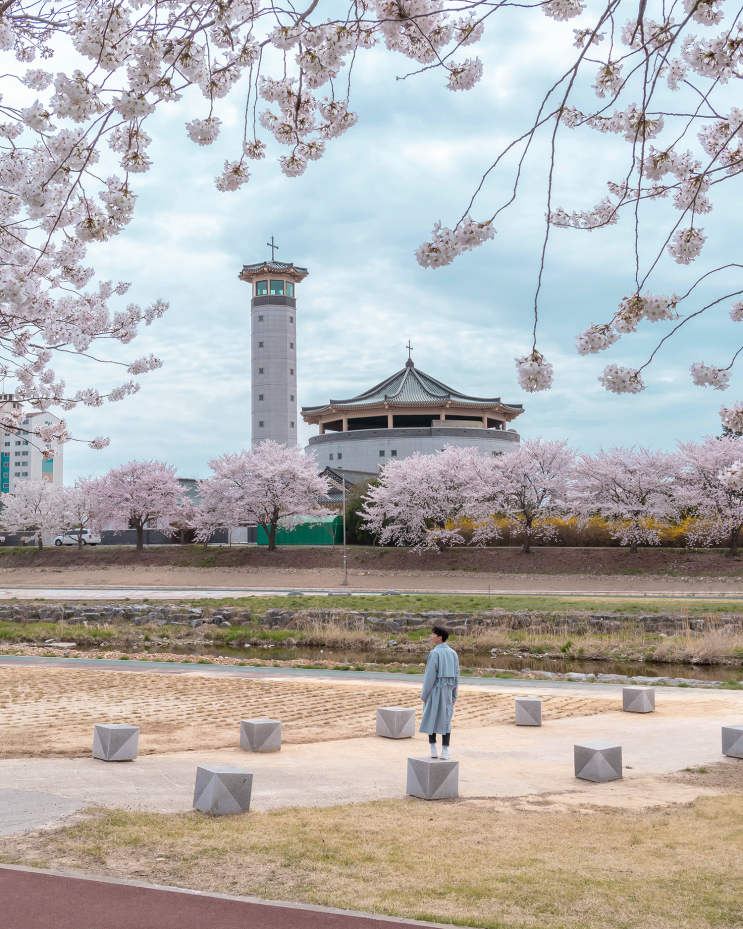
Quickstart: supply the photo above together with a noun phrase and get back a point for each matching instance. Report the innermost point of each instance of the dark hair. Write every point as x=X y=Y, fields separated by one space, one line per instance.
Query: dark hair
x=442 y=631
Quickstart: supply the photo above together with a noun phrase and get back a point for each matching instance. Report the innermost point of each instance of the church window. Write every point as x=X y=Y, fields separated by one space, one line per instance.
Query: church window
x=260 y=345
x=292 y=424
x=289 y=290
x=340 y=455
x=260 y=396
x=381 y=453
x=277 y=288
x=261 y=288
x=260 y=423
x=291 y=319
x=260 y=319
x=291 y=370
x=331 y=457
x=291 y=345
x=394 y=453
x=260 y=370
x=291 y=398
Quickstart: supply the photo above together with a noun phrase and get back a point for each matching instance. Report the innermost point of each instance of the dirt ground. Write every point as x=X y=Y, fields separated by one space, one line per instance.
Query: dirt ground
x=498 y=561
x=50 y=713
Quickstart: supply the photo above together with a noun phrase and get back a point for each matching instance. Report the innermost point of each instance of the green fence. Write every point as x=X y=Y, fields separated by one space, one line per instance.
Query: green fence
x=323 y=531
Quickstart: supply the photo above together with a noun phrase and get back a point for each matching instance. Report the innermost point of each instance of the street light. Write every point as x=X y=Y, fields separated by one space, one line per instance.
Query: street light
x=344 y=582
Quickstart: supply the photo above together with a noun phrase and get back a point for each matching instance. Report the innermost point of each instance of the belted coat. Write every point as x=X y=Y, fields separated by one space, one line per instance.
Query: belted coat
x=440 y=686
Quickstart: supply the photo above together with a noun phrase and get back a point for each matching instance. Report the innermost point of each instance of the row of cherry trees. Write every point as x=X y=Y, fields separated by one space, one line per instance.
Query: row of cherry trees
x=270 y=485
x=420 y=501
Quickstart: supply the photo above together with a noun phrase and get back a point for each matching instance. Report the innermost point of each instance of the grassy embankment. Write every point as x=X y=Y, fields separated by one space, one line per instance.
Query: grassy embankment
x=712 y=645
x=470 y=863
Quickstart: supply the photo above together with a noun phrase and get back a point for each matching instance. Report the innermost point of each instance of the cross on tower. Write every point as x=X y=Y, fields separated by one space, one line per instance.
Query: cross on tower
x=272 y=247
x=409 y=348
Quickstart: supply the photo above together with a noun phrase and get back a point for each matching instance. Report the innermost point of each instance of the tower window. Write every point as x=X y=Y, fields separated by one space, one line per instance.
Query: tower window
x=340 y=455
x=381 y=453
x=260 y=423
x=291 y=345
x=291 y=370
x=291 y=398
x=260 y=396
x=331 y=457
x=261 y=288
x=292 y=424
x=291 y=319
x=260 y=345
x=393 y=453
x=289 y=289
x=260 y=370
x=277 y=288
x=260 y=319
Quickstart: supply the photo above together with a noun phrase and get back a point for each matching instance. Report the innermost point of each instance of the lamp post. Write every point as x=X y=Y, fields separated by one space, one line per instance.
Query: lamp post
x=344 y=582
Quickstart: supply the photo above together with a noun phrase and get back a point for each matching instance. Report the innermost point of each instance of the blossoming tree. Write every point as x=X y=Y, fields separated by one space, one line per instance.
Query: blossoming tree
x=632 y=488
x=78 y=509
x=659 y=73
x=135 y=495
x=418 y=498
x=710 y=486
x=36 y=506
x=271 y=485
x=528 y=487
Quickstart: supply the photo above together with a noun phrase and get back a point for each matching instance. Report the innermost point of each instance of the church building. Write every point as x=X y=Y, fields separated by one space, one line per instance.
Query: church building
x=406 y=413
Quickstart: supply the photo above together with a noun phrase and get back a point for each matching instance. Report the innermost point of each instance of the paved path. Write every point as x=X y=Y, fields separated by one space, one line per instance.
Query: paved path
x=35 y=899
x=219 y=593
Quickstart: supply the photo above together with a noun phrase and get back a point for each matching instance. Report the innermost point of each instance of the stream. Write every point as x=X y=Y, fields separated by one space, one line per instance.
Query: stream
x=466 y=660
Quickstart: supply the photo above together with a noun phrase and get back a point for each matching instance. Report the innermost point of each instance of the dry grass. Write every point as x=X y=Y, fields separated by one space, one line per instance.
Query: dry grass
x=472 y=863
x=51 y=712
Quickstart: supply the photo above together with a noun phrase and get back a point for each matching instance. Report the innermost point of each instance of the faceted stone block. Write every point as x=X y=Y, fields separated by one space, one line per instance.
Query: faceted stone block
x=433 y=778
x=528 y=711
x=732 y=741
x=638 y=699
x=395 y=722
x=115 y=742
x=260 y=735
x=222 y=789
x=598 y=761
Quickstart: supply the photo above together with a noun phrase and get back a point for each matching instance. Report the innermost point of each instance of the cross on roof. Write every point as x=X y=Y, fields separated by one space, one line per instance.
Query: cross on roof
x=409 y=348
x=272 y=247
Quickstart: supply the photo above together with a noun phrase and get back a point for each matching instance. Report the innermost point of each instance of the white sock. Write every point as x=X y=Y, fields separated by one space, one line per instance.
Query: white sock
x=433 y=750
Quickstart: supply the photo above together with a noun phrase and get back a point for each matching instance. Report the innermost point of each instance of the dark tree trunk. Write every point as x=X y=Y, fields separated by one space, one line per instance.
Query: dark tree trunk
x=140 y=537
x=272 y=537
x=41 y=544
x=526 y=550
x=80 y=539
x=734 y=533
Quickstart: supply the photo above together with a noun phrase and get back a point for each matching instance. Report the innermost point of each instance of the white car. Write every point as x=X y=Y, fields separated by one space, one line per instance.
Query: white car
x=70 y=537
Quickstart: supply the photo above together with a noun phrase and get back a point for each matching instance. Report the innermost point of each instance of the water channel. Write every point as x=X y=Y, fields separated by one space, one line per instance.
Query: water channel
x=466 y=660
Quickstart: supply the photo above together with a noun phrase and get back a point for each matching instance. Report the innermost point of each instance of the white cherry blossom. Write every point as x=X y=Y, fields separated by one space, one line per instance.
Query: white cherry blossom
x=534 y=372
x=620 y=380
x=708 y=375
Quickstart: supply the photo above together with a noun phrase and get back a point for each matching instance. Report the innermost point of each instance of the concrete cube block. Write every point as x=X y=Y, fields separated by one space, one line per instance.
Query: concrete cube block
x=433 y=778
x=528 y=711
x=260 y=735
x=732 y=741
x=638 y=699
x=222 y=789
x=395 y=722
x=598 y=761
x=115 y=742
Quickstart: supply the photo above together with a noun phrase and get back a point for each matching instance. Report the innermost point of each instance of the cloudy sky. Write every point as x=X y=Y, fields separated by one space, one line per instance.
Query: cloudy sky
x=355 y=219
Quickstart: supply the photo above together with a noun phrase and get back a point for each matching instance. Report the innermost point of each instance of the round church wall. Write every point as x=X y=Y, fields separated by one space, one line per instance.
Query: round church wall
x=368 y=449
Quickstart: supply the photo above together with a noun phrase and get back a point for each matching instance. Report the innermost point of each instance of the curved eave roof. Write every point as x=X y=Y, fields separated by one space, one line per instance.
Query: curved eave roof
x=411 y=387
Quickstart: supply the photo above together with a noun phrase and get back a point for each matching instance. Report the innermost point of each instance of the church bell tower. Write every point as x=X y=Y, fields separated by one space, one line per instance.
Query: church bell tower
x=273 y=356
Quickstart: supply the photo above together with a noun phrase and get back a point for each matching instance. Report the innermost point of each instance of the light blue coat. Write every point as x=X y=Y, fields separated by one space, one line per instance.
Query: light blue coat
x=440 y=686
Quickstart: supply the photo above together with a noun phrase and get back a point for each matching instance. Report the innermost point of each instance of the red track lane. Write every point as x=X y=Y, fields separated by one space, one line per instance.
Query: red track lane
x=36 y=900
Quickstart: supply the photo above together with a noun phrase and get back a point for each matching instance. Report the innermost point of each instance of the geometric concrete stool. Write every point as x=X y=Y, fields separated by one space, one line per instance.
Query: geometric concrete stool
x=395 y=722
x=260 y=735
x=732 y=741
x=222 y=789
x=598 y=761
x=638 y=699
x=433 y=778
x=115 y=742
x=528 y=711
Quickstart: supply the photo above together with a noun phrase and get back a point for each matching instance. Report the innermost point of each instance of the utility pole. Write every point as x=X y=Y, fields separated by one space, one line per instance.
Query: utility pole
x=344 y=582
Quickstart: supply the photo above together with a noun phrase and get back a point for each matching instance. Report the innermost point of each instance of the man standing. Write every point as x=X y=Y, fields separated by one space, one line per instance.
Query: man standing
x=440 y=685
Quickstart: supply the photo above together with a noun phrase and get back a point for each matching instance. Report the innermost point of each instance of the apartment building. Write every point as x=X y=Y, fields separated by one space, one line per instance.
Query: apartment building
x=21 y=454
